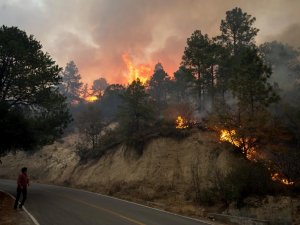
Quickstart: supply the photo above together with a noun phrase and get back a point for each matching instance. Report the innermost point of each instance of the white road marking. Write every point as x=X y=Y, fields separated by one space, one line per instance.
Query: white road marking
x=28 y=213
x=134 y=203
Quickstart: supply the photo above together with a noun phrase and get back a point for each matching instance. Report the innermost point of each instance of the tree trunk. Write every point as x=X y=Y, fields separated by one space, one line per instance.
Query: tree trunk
x=212 y=84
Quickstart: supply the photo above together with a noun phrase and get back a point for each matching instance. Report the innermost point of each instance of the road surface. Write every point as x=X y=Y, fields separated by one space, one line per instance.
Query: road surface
x=55 y=205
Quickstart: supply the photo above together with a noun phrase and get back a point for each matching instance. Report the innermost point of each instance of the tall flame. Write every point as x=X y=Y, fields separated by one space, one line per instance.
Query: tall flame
x=140 y=71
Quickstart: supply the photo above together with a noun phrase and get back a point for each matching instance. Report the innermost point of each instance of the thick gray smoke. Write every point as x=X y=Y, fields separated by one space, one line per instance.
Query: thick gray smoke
x=95 y=33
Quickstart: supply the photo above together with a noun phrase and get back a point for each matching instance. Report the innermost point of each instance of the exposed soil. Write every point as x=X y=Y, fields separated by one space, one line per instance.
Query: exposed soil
x=160 y=177
x=10 y=216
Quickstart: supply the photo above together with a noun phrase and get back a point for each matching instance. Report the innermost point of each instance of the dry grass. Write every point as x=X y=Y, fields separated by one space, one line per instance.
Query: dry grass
x=159 y=196
x=9 y=216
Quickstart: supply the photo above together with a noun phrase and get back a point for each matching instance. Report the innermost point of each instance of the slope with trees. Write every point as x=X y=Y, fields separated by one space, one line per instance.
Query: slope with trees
x=33 y=112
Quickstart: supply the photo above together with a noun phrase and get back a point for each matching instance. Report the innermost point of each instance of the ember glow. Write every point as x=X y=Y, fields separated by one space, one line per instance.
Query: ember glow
x=243 y=144
x=278 y=178
x=92 y=98
x=140 y=71
x=251 y=153
x=181 y=123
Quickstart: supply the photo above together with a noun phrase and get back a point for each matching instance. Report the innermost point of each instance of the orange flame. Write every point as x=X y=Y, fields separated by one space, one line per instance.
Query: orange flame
x=91 y=98
x=140 y=71
x=251 y=154
x=181 y=123
x=230 y=136
x=278 y=178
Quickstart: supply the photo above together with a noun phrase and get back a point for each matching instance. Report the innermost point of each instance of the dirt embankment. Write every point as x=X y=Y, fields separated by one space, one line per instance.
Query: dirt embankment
x=164 y=162
x=161 y=177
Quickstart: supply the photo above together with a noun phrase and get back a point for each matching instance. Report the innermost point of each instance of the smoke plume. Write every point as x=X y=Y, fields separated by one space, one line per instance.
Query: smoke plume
x=96 y=33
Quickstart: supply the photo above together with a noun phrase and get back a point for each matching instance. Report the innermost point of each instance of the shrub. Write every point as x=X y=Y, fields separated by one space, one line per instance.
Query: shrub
x=242 y=180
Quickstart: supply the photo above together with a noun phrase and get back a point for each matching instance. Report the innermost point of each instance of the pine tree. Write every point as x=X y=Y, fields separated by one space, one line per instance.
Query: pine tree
x=32 y=111
x=71 y=86
x=237 y=30
x=158 y=85
x=136 y=112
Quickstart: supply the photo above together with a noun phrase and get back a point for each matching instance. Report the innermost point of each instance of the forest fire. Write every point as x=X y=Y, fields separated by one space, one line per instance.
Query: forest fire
x=181 y=123
x=242 y=143
x=92 y=98
x=228 y=136
x=278 y=178
x=140 y=71
x=251 y=153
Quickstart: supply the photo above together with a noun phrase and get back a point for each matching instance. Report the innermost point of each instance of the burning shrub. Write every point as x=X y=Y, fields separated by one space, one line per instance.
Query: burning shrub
x=283 y=166
x=180 y=114
x=286 y=166
x=245 y=144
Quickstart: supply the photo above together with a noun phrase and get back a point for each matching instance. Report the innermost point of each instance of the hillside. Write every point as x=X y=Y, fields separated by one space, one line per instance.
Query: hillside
x=161 y=177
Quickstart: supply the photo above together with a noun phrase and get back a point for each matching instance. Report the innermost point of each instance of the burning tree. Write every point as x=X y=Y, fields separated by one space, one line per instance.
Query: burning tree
x=283 y=167
x=247 y=145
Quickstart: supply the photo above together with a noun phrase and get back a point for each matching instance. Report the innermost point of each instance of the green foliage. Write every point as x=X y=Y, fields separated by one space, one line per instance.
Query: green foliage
x=71 y=85
x=111 y=101
x=243 y=180
x=136 y=113
x=202 y=58
x=107 y=142
x=182 y=84
x=33 y=112
x=237 y=30
x=90 y=125
x=158 y=86
x=195 y=60
x=242 y=76
x=249 y=82
x=14 y=126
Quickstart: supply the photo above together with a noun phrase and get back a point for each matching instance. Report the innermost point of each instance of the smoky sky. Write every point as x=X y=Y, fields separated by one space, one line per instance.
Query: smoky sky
x=96 y=33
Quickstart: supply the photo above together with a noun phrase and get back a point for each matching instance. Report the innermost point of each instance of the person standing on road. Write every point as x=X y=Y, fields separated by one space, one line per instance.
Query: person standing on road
x=23 y=183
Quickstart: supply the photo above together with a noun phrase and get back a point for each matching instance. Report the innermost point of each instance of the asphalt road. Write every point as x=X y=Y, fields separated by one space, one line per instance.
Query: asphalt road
x=55 y=205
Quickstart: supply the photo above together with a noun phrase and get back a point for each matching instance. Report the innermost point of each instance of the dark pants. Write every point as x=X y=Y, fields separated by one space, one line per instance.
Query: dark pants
x=24 y=193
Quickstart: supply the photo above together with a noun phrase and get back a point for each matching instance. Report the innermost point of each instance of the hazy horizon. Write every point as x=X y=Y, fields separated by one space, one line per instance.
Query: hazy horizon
x=97 y=34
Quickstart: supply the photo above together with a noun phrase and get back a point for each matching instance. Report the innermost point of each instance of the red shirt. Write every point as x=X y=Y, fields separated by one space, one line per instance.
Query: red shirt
x=23 y=180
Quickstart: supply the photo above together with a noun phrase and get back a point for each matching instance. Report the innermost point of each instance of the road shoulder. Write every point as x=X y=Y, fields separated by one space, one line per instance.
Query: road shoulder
x=10 y=216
